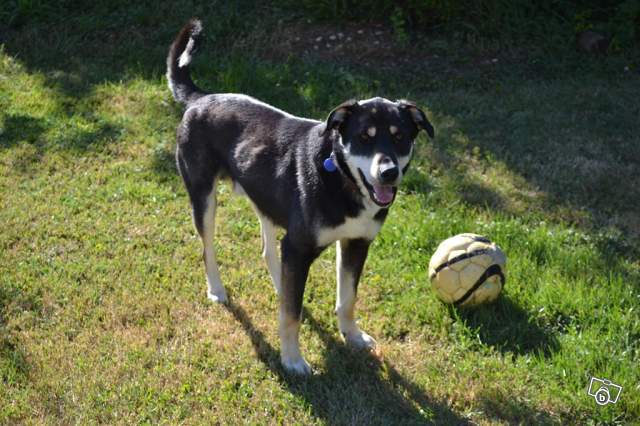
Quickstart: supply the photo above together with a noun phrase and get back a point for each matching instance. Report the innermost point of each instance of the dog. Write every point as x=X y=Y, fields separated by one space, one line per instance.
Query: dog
x=322 y=181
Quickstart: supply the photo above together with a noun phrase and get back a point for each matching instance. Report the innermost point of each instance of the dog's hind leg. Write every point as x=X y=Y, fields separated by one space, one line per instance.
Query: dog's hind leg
x=350 y=258
x=199 y=169
x=270 y=249
x=203 y=204
x=215 y=290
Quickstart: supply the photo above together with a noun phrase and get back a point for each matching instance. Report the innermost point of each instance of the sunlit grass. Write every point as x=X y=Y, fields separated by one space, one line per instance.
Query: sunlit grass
x=103 y=314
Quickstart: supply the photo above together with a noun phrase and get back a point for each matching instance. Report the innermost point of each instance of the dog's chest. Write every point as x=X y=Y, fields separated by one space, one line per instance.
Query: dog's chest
x=362 y=226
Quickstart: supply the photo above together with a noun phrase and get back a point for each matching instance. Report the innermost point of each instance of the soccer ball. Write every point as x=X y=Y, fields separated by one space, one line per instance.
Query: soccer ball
x=467 y=270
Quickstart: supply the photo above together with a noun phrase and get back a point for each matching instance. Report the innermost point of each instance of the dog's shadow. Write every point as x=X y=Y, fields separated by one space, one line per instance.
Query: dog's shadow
x=355 y=388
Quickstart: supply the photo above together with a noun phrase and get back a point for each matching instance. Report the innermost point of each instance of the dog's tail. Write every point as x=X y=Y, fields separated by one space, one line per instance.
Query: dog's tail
x=178 y=60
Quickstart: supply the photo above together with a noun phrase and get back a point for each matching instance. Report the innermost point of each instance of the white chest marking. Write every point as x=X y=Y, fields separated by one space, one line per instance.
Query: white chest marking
x=363 y=226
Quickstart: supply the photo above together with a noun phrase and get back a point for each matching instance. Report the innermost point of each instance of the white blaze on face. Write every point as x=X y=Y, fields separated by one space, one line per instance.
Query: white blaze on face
x=375 y=167
x=355 y=162
x=370 y=168
x=366 y=164
x=382 y=193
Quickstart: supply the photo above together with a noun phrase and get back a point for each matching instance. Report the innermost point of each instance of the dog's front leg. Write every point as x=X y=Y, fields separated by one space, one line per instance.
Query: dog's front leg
x=295 y=269
x=350 y=258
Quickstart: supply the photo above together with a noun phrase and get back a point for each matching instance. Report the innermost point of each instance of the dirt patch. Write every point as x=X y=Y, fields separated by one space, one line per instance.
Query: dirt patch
x=375 y=45
x=358 y=44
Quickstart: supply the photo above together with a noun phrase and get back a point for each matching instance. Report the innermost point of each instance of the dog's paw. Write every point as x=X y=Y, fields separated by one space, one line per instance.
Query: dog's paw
x=360 y=340
x=219 y=297
x=297 y=366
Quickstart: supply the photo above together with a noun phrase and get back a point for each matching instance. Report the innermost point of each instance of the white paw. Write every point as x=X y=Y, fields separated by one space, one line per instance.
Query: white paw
x=297 y=366
x=360 y=340
x=219 y=297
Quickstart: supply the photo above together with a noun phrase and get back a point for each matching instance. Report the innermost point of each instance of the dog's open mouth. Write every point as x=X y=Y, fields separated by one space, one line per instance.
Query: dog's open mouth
x=382 y=195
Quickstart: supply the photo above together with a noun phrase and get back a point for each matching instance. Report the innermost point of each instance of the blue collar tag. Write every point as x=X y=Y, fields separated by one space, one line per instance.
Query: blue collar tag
x=329 y=165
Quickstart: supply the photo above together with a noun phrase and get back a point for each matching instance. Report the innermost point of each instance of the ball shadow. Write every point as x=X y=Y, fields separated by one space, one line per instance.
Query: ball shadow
x=508 y=328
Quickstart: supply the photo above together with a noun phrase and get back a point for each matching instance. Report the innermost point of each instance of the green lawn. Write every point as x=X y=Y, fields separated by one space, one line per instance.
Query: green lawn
x=103 y=309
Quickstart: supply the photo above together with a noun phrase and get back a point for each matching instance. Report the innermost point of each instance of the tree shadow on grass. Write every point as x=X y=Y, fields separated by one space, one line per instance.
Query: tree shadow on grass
x=79 y=46
x=89 y=135
x=14 y=367
x=13 y=361
x=474 y=193
x=163 y=164
x=508 y=118
x=356 y=387
x=20 y=127
x=480 y=195
x=507 y=327
x=571 y=161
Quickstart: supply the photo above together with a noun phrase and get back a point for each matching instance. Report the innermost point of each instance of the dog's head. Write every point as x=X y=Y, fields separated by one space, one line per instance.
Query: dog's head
x=376 y=142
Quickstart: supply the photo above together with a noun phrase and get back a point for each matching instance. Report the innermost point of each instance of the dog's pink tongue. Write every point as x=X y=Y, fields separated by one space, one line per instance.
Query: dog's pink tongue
x=383 y=193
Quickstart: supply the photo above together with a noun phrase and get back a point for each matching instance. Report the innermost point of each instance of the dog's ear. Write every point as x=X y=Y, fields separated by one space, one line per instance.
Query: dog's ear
x=339 y=115
x=417 y=115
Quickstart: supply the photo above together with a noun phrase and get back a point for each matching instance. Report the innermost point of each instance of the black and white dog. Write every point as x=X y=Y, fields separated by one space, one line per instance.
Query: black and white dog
x=323 y=182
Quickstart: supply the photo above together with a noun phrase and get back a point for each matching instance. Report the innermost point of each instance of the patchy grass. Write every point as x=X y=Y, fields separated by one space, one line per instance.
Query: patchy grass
x=103 y=314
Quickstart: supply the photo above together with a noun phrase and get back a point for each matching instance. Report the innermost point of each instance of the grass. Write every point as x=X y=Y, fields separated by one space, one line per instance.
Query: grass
x=103 y=314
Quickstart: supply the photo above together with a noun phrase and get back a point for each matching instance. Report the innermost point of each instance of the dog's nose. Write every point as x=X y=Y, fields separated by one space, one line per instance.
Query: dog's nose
x=388 y=171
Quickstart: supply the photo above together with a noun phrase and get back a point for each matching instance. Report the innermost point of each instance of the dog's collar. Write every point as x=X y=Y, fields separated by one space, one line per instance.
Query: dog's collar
x=329 y=164
x=336 y=162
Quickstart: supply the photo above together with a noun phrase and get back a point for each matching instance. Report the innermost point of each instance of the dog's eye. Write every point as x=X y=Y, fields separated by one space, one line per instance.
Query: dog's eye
x=364 y=137
x=398 y=137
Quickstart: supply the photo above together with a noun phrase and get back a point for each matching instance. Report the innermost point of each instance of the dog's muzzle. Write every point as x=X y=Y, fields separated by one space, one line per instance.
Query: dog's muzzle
x=382 y=195
x=388 y=173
